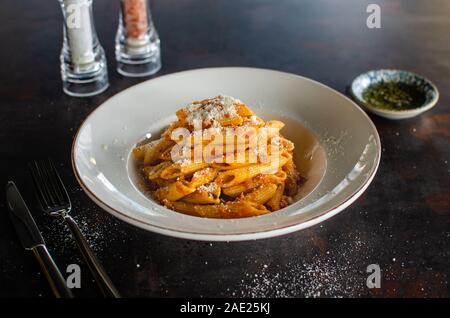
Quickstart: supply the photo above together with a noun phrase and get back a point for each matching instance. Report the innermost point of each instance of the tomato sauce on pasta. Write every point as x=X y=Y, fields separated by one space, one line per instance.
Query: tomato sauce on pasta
x=220 y=160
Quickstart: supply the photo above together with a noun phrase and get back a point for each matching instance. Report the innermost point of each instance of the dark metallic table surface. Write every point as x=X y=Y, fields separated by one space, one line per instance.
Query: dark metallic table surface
x=400 y=223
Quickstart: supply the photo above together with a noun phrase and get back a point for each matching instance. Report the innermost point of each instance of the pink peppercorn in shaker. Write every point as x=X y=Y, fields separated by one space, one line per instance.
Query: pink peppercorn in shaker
x=137 y=42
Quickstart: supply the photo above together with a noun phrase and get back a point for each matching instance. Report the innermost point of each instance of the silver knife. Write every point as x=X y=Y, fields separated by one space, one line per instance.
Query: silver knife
x=31 y=239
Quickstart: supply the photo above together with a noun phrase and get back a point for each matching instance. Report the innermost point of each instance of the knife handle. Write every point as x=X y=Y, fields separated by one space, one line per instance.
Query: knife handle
x=52 y=273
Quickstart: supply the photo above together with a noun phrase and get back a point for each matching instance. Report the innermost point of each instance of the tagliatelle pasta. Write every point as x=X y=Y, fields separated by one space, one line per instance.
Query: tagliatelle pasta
x=219 y=160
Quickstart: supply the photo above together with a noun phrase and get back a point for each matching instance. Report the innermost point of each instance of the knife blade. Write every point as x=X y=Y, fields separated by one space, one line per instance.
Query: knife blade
x=31 y=239
x=22 y=219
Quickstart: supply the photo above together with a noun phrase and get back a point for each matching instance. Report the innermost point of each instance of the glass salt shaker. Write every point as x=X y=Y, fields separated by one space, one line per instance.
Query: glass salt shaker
x=138 y=50
x=83 y=62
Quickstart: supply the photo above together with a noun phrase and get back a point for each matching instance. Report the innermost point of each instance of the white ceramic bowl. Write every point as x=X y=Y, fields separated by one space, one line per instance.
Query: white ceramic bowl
x=337 y=149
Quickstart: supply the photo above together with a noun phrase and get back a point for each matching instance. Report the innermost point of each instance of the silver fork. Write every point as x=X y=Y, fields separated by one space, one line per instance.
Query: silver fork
x=55 y=201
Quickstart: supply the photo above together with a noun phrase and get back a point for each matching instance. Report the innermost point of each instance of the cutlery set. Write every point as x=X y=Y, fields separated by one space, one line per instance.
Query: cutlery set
x=54 y=201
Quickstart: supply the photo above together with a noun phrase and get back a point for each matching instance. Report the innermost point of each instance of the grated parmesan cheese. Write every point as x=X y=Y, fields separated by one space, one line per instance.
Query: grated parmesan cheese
x=183 y=162
x=276 y=141
x=201 y=172
x=212 y=110
x=210 y=187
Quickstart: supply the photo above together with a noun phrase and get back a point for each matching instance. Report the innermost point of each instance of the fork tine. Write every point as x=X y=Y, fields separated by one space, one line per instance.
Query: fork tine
x=46 y=183
x=56 y=182
x=60 y=184
x=43 y=197
x=52 y=183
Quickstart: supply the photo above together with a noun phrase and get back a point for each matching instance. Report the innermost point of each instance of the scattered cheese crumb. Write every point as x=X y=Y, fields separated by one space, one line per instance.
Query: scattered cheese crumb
x=210 y=187
x=183 y=162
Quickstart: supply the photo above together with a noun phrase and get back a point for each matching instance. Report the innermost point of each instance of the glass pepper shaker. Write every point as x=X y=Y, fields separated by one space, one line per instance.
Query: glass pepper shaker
x=138 y=50
x=83 y=62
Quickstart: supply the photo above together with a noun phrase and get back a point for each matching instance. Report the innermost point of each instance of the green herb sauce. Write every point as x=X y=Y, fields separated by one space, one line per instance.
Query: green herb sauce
x=394 y=96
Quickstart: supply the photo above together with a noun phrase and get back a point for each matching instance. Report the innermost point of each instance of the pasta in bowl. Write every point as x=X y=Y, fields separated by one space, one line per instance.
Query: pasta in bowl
x=220 y=160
